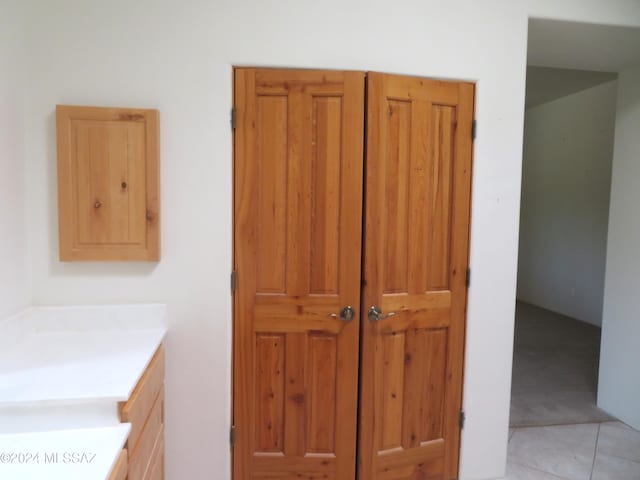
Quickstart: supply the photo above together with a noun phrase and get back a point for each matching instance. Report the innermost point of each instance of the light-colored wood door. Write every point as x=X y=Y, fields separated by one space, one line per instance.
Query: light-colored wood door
x=298 y=221
x=418 y=184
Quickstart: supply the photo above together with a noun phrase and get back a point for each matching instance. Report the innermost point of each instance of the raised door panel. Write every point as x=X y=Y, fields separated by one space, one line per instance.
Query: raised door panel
x=297 y=241
x=416 y=255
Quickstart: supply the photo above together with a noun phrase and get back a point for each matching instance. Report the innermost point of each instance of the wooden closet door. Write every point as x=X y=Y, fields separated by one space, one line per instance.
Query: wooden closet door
x=298 y=222
x=416 y=243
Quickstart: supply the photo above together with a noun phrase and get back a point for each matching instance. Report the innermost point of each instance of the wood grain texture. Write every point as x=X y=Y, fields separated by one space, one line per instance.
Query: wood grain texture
x=433 y=345
x=136 y=409
x=141 y=456
x=144 y=410
x=396 y=194
x=297 y=249
x=416 y=255
x=108 y=183
x=270 y=349
x=392 y=390
x=438 y=203
x=322 y=361
x=460 y=229
x=271 y=161
x=119 y=470
x=325 y=193
x=155 y=469
x=296 y=400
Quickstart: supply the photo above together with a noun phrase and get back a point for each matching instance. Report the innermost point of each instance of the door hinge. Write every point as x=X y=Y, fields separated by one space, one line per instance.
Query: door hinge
x=474 y=129
x=462 y=419
x=232 y=435
x=234 y=281
x=233 y=117
x=468 y=280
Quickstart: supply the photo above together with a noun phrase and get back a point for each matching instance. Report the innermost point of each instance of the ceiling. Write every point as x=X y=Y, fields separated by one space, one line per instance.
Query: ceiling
x=582 y=46
x=545 y=84
x=568 y=57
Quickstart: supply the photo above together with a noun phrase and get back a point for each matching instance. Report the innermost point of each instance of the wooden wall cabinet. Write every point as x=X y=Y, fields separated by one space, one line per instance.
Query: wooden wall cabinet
x=108 y=183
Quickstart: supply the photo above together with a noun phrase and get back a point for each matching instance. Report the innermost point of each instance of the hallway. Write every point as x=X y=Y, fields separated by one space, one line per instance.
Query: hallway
x=555 y=370
x=557 y=431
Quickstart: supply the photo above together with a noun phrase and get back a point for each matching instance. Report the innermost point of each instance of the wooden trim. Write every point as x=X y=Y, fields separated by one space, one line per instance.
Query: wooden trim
x=119 y=471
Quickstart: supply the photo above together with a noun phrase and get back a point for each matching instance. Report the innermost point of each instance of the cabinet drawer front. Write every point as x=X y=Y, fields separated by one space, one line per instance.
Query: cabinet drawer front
x=119 y=471
x=136 y=410
x=155 y=471
x=140 y=455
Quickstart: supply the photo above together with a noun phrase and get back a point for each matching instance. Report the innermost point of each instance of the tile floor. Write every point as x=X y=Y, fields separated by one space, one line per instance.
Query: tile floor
x=604 y=451
x=555 y=370
x=557 y=431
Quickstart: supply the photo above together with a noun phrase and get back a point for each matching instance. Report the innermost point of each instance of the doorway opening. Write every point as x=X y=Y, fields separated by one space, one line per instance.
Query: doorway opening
x=566 y=180
x=571 y=144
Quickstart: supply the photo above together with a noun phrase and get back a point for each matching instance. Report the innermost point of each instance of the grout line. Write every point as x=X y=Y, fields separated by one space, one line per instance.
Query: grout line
x=560 y=424
x=595 y=453
x=624 y=427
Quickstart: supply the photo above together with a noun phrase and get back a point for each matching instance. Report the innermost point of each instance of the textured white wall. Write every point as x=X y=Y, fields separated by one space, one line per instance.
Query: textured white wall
x=177 y=56
x=14 y=265
x=566 y=180
x=619 y=381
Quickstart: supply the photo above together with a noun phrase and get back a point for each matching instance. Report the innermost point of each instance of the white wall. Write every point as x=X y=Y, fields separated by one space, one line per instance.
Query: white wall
x=566 y=180
x=14 y=266
x=177 y=56
x=619 y=381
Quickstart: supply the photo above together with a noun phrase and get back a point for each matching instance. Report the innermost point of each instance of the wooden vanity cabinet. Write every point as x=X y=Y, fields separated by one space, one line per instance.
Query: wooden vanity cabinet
x=145 y=412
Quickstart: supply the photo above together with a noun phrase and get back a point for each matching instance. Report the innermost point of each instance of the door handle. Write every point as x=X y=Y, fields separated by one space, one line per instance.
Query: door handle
x=346 y=314
x=375 y=314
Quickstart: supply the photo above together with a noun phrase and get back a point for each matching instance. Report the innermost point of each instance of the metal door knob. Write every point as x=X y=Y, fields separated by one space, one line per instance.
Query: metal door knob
x=375 y=314
x=346 y=314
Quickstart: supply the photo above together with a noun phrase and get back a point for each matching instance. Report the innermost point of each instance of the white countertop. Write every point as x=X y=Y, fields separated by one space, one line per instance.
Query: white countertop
x=66 y=367
x=65 y=455
x=62 y=355
x=63 y=371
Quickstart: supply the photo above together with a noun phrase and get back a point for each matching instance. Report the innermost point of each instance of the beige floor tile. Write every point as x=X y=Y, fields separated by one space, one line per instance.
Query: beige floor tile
x=520 y=472
x=555 y=370
x=607 y=467
x=619 y=440
x=554 y=383
x=565 y=451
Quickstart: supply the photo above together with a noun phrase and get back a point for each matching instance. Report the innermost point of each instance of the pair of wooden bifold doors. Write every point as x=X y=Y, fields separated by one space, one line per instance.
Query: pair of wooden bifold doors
x=351 y=231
